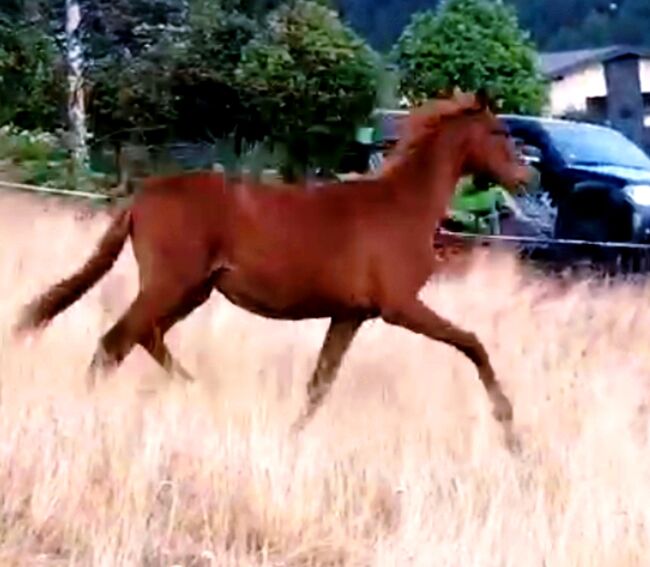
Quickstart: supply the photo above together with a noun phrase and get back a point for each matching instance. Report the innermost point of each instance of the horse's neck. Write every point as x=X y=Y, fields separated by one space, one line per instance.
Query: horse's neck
x=426 y=181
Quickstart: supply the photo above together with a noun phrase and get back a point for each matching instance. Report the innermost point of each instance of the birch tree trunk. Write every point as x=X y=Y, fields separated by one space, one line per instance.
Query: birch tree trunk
x=76 y=107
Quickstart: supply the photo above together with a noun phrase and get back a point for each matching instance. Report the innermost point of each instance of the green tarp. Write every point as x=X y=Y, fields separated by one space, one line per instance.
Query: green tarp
x=478 y=209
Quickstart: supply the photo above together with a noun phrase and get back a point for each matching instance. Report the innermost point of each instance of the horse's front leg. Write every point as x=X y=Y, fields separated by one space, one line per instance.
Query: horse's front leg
x=418 y=318
x=339 y=337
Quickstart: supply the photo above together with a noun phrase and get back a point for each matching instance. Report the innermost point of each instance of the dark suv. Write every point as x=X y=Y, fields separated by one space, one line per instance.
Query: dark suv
x=598 y=179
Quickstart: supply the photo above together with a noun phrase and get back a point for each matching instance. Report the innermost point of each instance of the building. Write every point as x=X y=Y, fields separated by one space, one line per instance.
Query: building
x=610 y=85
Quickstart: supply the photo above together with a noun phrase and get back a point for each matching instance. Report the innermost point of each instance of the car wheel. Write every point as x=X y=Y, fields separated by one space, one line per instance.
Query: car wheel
x=593 y=216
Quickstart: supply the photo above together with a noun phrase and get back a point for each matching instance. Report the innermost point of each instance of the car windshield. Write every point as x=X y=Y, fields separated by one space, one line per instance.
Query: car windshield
x=596 y=146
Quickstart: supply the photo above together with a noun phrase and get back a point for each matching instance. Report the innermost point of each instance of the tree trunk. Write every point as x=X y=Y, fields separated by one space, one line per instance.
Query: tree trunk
x=294 y=165
x=76 y=106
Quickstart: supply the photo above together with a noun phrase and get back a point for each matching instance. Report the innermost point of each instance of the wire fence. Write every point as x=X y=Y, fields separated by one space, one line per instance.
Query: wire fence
x=557 y=254
x=534 y=240
x=54 y=191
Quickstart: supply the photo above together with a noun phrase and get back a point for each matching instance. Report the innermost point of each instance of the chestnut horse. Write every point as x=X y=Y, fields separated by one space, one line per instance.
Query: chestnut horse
x=348 y=251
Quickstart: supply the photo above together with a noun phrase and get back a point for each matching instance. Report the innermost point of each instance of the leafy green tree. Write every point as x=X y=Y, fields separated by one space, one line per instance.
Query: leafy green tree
x=129 y=99
x=470 y=44
x=312 y=80
x=32 y=79
x=179 y=84
x=113 y=27
x=209 y=103
x=553 y=24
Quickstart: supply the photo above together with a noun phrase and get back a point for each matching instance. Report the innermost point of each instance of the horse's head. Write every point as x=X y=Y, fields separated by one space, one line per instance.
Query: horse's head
x=464 y=125
x=489 y=150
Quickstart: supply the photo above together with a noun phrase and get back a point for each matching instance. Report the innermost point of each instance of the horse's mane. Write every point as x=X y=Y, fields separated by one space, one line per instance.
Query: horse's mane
x=424 y=121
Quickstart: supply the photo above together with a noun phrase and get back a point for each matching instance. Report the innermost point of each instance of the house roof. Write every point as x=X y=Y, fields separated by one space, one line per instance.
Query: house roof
x=558 y=63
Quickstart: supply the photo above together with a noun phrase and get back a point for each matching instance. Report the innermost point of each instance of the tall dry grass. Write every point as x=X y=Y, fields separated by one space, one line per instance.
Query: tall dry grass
x=402 y=466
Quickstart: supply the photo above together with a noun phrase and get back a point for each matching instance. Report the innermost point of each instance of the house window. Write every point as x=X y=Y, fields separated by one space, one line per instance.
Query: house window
x=597 y=108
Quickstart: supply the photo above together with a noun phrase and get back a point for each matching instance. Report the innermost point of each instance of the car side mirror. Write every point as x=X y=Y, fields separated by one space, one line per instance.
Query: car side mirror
x=531 y=155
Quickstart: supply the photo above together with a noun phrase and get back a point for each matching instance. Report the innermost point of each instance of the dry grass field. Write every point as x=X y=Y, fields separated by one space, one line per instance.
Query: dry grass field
x=403 y=466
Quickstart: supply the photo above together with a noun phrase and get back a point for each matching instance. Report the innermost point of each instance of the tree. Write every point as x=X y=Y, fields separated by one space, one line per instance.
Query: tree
x=381 y=22
x=130 y=98
x=553 y=24
x=179 y=83
x=632 y=25
x=209 y=103
x=470 y=44
x=115 y=27
x=32 y=78
x=312 y=80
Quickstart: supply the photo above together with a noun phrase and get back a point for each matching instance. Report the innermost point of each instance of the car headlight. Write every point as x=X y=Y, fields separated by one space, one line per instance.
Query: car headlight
x=640 y=194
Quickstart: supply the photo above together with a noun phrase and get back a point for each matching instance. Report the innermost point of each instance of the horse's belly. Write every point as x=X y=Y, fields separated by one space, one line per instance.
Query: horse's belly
x=273 y=298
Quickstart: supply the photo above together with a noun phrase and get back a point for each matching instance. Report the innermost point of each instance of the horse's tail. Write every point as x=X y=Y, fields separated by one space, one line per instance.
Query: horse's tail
x=60 y=296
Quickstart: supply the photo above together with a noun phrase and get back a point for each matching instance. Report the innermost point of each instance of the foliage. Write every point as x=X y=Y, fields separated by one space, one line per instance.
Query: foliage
x=32 y=90
x=20 y=145
x=132 y=48
x=130 y=26
x=381 y=22
x=470 y=44
x=181 y=84
x=39 y=156
x=577 y=24
x=114 y=28
x=208 y=102
x=312 y=79
x=129 y=98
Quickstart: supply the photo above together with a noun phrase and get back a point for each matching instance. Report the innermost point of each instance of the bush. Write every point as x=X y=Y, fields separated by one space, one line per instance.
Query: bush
x=470 y=44
x=312 y=80
x=32 y=82
x=41 y=158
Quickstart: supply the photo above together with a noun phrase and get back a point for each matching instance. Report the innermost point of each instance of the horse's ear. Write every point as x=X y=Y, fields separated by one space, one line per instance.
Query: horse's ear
x=464 y=99
x=483 y=99
x=457 y=93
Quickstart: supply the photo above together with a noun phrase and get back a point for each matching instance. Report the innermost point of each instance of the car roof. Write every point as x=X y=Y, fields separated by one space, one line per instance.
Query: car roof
x=387 y=122
x=550 y=122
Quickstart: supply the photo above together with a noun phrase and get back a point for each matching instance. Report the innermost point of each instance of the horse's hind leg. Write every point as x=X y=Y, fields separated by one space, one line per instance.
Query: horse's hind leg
x=116 y=344
x=154 y=342
x=339 y=337
x=136 y=324
x=418 y=318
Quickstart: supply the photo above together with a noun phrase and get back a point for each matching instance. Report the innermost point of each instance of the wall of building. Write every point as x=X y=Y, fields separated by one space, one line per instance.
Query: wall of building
x=570 y=93
x=626 y=110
